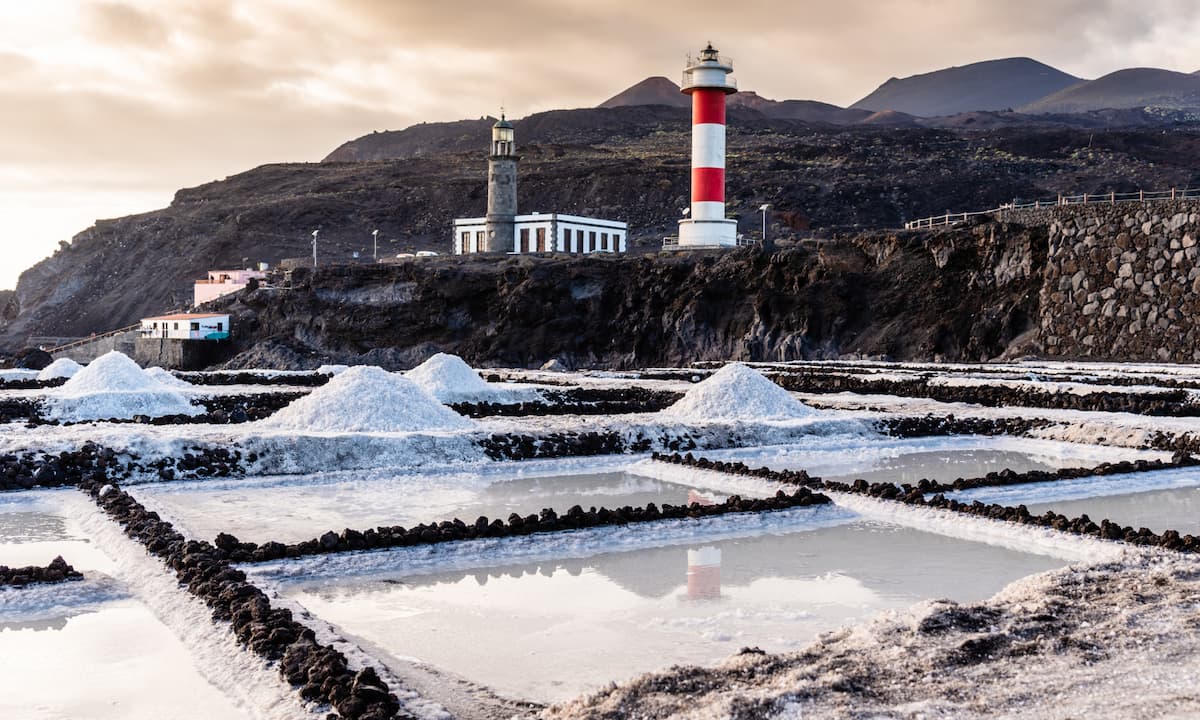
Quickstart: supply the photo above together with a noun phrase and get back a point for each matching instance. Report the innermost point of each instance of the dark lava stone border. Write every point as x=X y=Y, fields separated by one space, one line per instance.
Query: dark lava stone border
x=1168 y=403
x=548 y=521
x=575 y=444
x=313 y=379
x=91 y=461
x=30 y=384
x=942 y=425
x=912 y=495
x=56 y=572
x=319 y=672
x=223 y=410
x=578 y=401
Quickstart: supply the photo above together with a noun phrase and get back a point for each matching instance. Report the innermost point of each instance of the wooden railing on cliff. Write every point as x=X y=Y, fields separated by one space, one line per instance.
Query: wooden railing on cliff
x=1110 y=198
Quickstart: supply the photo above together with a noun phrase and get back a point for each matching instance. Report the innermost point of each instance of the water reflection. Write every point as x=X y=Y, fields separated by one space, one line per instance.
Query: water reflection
x=1159 y=510
x=291 y=513
x=704 y=573
x=549 y=630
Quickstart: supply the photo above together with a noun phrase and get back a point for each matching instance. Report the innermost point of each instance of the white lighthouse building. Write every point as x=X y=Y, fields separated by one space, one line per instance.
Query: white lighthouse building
x=707 y=80
x=503 y=231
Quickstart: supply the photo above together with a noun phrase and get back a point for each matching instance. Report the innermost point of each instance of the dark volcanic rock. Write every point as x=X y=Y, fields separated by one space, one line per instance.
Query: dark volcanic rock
x=798 y=301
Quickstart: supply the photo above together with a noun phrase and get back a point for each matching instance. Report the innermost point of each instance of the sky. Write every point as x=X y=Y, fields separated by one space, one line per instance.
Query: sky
x=108 y=107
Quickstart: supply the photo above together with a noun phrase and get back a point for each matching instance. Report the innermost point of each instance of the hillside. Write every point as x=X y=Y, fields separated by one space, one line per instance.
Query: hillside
x=1134 y=88
x=661 y=91
x=989 y=85
x=652 y=91
x=628 y=163
x=809 y=300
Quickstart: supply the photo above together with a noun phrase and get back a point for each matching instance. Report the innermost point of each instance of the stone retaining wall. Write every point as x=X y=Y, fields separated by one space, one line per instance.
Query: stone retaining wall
x=1123 y=282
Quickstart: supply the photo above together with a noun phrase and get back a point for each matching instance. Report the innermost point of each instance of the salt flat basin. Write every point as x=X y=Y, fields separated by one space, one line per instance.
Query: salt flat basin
x=1159 y=510
x=907 y=460
x=296 y=508
x=1160 y=500
x=34 y=532
x=115 y=662
x=549 y=630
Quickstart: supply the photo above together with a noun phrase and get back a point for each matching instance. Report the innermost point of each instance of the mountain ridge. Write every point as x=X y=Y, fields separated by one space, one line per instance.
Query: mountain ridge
x=1128 y=88
x=988 y=85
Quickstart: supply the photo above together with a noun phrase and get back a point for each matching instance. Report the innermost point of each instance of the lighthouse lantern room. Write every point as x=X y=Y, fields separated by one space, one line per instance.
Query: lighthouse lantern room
x=706 y=79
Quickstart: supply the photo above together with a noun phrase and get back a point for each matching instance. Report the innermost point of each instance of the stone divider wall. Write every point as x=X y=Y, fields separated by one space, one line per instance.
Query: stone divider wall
x=1122 y=282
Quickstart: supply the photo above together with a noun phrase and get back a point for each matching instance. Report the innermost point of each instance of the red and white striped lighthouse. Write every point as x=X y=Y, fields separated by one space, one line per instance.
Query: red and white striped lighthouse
x=707 y=80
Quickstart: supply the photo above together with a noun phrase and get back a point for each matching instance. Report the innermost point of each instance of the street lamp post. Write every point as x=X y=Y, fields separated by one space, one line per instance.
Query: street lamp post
x=375 y=235
x=764 y=210
x=315 y=247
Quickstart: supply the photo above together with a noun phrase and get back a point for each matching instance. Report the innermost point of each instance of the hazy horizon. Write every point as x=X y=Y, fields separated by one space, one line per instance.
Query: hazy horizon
x=112 y=106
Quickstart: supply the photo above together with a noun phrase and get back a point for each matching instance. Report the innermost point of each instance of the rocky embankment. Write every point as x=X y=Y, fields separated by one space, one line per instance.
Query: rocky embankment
x=965 y=294
x=625 y=163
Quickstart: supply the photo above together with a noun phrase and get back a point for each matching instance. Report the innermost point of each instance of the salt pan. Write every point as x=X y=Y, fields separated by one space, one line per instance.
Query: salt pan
x=60 y=368
x=115 y=387
x=368 y=399
x=738 y=392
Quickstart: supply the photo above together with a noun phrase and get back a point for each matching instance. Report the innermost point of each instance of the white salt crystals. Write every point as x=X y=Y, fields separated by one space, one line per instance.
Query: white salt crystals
x=114 y=387
x=738 y=392
x=367 y=399
x=60 y=368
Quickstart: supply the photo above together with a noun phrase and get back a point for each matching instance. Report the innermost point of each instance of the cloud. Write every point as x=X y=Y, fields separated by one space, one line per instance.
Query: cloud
x=149 y=95
x=121 y=24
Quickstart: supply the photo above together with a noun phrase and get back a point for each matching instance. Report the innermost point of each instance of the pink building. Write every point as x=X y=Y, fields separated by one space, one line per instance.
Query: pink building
x=223 y=282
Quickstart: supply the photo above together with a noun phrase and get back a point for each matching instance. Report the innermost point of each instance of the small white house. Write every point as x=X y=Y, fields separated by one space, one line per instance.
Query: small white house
x=223 y=282
x=186 y=326
x=547 y=232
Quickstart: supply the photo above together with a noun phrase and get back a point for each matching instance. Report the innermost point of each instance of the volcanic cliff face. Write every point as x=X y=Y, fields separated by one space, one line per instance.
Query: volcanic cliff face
x=965 y=294
x=628 y=163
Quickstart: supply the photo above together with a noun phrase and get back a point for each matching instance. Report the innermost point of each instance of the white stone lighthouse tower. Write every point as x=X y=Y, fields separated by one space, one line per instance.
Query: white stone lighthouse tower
x=502 y=189
x=707 y=80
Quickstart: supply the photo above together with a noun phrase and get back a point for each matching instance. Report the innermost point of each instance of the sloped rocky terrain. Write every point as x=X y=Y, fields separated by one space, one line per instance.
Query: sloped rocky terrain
x=978 y=293
x=629 y=163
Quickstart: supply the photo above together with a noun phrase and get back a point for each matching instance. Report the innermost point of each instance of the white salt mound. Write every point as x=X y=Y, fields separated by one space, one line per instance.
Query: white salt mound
x=738 y=392
x=449 y=379
x=332 y=369
x=166 y=377
x=113 y=386
x=60 y=368
x=367 y=399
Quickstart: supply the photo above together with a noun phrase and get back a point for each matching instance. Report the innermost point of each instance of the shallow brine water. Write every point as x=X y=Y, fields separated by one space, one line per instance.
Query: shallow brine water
x=86 y=648
x=910 y=460
x=34 y=532
x=547 y=631
x=299 y=508
x=115 y=661
x=1159 y=510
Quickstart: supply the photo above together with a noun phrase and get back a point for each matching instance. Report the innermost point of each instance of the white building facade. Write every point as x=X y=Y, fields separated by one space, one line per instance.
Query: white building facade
x=546 y=233
x=186 y=326
x=223 y=282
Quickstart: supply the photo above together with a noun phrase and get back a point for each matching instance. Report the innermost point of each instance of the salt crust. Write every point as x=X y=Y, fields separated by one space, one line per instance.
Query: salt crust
x=113 y=386
x=738 y=392
x=366 y=398
x=449 y=379
x=60 y=368
x=165 y=377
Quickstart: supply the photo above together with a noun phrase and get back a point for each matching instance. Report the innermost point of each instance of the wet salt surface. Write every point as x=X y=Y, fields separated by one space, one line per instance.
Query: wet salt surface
x=117 y=661
x=549 y=630
x=909 y=460
x=292 y=509
x=34 y=532
x=1159 y=510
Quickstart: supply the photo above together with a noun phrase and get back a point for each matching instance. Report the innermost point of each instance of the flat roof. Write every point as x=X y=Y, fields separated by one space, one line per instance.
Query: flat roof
x=187 y=316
